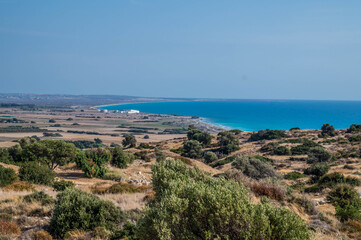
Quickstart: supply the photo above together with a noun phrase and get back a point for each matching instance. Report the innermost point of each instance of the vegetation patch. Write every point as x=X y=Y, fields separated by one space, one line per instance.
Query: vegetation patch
x=119 y=188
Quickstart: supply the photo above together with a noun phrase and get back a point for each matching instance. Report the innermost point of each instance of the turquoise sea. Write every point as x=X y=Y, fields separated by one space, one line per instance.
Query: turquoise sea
x=254 y=115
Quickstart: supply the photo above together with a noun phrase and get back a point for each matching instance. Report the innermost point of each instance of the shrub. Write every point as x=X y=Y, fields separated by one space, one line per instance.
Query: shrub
x=269 y=147
x=228 y=142
x=93 y=161
x=192 y=149
x=281 y=150
x=143 y=155
x=271 y=189
x=7 y=176
x=188 y=204
x=159 y=155
x=9 y=228
x=354 y=128
x=210 y=157
x=195 y=134
x=223 y=162
x=319 y=154
x=318 y=169
x=114 y=176
x=36 y=173
x=41 y=235
x=327 y=130
x=294 y=175
x=62 y=185
x=75 y=209
x=356 y=138
x=267 y=135
x=253 y=167
x=332 y=179
x=129 y=141
x=347 y=202
x=41 y=197
x=121 y=158
x=146 y=137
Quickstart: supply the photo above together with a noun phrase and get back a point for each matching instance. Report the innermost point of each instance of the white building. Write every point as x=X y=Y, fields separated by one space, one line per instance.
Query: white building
x=131 y=111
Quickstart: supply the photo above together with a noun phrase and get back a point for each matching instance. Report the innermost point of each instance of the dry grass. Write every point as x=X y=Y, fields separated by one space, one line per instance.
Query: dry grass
x=127 y=201
x=19 y=187
x=271 y=190
x=119 y=188
x=9 y=229
x=41 y=235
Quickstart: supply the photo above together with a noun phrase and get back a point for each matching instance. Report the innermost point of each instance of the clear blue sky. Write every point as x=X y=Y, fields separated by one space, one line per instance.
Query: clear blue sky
x=281 y=49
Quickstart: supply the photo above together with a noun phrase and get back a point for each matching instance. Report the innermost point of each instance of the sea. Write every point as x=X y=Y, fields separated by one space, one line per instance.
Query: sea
x=255 y=115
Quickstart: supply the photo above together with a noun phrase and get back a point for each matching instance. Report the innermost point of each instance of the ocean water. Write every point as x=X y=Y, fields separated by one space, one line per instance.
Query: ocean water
x=254 y=115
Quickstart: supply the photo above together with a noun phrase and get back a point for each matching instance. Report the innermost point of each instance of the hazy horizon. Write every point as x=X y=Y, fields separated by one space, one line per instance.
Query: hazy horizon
x=247 y=50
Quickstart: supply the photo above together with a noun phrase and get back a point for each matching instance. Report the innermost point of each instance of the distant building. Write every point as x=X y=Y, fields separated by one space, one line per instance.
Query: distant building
x=131 y=111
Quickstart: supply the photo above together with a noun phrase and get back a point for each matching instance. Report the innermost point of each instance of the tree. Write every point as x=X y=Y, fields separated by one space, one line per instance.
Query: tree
x=327 y=130
x=130 y=141
x=192 y=149
x=51 y=152
x=319 y=154
x=121 y=158
x=228 y=142
x=93 y=161
x=199 y=135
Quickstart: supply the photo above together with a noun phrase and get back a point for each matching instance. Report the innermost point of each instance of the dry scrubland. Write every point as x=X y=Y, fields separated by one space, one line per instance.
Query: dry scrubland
x=297 y=170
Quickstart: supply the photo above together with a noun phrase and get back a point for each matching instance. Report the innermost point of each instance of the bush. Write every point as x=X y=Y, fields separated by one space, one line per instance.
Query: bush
x=318 y=169
x=129 y=141
x=294 y=175
x=75 y=209
x=196 y=134
x=121 y=158
x=267 y=135
x=36 y=173
x=7 y=176
x=356 y=138
x=159 y=155
x=41 y=197
x=304 y=148
x=143 y=155
x=62 y=185
x=19 y=187
x=327 y=130
x=354 y=128
x=210 y=157
x=347 y=202
x=281 y=150
x=253 y=167
x=228 y=142
x=319 y=154
x=188 y=204
x=192 y=149
x=271 y=189
x=93 y=161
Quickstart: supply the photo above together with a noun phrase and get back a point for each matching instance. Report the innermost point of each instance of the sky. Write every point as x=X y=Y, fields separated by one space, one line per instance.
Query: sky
x=251 y=49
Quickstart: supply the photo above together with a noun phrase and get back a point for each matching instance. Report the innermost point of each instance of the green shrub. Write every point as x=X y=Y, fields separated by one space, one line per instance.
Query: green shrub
x=294 y=175
x=62 y=185
x=129 y=141
x=354 y=128
x=356 y=138
x=159 y=155
x=7 y=176
x=327 y=130
x=304 y=148
x=41 y=197
x=188 y=204
x=210 y=157
x=93 y=161
x=347 y=202
x=121 y=158
x=318 y=169
x=196 y=134
x=267 y=135
x=36 y=173
x=281 y=150
x=228 y=142
x=319 y=154
x=75 y=209
x=192 y=149
x=223 y=162
x=253 y=167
